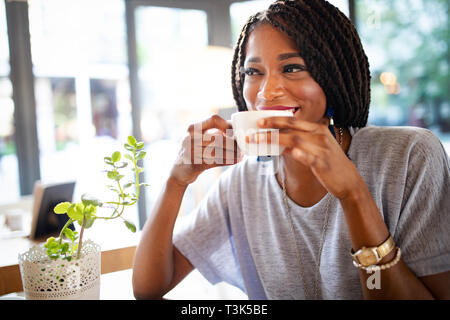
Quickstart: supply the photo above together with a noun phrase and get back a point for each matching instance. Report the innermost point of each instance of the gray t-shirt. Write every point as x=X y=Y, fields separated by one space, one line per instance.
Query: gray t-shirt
x=240 y=233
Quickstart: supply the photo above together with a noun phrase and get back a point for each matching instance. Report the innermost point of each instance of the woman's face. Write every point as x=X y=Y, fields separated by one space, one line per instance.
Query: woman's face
x=276 y=77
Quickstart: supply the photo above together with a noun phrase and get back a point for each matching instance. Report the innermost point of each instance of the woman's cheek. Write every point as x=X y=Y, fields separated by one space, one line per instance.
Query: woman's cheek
x=249 y=97
x=314 y=95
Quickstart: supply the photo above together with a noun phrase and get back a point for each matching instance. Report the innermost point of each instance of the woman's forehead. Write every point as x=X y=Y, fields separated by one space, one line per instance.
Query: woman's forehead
x=268 y=41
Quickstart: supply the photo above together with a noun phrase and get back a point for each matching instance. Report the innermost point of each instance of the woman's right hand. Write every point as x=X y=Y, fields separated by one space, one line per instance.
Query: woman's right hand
x=202 y=150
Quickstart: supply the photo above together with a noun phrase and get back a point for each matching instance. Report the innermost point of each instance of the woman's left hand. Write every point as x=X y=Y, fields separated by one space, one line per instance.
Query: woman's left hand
x=314 y=146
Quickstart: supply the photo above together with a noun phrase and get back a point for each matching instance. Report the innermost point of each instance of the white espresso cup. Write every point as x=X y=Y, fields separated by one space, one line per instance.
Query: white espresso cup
x=244 y=124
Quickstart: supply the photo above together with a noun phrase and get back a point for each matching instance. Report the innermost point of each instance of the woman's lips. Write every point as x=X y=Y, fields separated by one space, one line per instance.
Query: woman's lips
x=279 y=107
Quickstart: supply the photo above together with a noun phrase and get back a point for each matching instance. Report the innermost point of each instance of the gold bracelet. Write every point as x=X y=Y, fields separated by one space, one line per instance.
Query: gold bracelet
x=384 y=266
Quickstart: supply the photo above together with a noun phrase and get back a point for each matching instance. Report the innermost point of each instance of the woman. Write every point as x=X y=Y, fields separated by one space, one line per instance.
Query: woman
x=341 y=188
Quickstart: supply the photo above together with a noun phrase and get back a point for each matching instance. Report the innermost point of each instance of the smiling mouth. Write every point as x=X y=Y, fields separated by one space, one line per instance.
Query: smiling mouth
x=287 y=108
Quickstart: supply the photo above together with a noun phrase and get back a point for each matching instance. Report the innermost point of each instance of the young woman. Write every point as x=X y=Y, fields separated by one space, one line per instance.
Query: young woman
x=352 y=212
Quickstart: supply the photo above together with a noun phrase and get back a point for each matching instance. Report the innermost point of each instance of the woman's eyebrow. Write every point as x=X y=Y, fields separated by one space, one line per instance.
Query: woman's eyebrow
x=285 y=56
x=253 y=59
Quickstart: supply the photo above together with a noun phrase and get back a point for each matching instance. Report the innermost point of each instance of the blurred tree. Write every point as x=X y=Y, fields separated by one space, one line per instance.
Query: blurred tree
x=411 y=40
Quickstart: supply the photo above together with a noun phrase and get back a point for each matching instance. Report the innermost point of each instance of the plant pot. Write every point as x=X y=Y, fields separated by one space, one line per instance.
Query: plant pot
x=46 y=279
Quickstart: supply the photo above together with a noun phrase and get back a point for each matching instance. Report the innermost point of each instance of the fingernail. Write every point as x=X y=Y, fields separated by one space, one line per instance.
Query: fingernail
x=261 y=122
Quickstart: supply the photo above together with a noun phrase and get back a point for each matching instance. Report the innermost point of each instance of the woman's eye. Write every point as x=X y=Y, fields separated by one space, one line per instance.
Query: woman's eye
x=294 y=68
x=251 y=71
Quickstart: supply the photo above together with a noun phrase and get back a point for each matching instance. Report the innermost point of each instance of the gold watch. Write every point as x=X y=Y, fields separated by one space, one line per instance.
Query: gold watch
x=366 y=257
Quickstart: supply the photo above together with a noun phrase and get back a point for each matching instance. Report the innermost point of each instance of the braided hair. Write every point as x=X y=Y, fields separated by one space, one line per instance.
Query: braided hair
x=332 y=50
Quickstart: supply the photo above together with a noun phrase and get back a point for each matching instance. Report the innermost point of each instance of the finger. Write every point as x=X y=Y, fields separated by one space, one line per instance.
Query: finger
x=288 y=138
x=214 y=154
x=310 y=148
x=214 y=121
x=215 y=140
x=288 y=122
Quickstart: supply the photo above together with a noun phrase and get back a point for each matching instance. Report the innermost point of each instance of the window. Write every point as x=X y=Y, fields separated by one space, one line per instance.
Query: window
x=9 y=172
x=408 y=47
x=182 y=80
x=81 y=88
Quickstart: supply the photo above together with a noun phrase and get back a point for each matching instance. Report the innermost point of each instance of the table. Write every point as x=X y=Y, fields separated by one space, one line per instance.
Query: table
x=117 y=286
x=118 y=247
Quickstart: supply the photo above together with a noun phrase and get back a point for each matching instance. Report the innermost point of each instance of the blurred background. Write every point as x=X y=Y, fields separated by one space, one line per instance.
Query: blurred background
x=78 y=77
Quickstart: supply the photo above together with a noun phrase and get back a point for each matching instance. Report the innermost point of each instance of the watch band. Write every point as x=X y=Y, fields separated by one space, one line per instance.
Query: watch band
x=367 y=256
x=386 y=247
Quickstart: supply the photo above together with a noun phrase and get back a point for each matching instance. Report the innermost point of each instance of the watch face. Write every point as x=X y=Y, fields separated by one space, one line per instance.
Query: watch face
x=367 y=258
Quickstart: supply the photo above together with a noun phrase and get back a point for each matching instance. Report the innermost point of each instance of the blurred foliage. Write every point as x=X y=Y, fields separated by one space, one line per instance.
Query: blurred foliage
x=410 y=39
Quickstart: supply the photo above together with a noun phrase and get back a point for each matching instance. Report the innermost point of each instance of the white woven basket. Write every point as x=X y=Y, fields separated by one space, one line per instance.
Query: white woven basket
x=46 y=279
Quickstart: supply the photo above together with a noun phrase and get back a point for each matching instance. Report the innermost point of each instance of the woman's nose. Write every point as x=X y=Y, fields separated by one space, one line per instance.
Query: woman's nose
x=271 y=89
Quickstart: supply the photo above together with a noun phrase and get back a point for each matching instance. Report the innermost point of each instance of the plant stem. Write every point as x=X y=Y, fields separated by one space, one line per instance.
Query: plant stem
x=64 y=228
x=80 y=242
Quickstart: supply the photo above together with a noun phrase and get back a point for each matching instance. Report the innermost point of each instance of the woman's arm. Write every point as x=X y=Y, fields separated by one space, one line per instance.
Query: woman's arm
x=367 y=228
x=156 y=259
x=313 y=145
x=158 y=265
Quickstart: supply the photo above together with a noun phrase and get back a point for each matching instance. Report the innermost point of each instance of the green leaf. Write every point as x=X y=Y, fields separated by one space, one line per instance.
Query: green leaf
x=53 y=255
x=90 y=210
x=79 y=207
x=89 y=199
x=121 y=164
x=132 y=140
x=144 y=185
x=119 y=177
x=112 y=174
x=129 y=184
x=49 y=242
x=140 y=155
x=138 y=170
x=128 y=147
x=139 y=145
x=74 y=213
x=116 y=156
x=108 y=160
x=89 y=223
x=61 y=207
x=115 y=190
x=69 y=234
x=130 y=226
x=127 y=156
x=64 y=248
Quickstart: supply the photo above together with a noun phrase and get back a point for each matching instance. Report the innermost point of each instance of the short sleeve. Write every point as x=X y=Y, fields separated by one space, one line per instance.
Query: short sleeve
x=423 y=229
x=204 y=237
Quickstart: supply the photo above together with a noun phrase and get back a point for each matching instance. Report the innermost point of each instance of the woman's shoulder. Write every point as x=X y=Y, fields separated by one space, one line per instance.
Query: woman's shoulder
x=392 y=141
x=407 y=133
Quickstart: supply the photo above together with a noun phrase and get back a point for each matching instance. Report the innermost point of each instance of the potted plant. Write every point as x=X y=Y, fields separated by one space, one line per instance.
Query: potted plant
x=67 y=267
